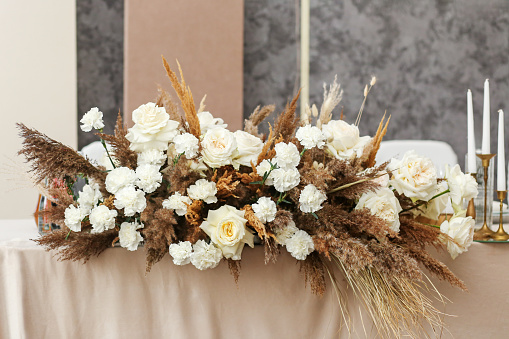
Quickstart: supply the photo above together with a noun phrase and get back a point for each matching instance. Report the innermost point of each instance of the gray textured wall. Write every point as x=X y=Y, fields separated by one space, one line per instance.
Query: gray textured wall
x=425 y=54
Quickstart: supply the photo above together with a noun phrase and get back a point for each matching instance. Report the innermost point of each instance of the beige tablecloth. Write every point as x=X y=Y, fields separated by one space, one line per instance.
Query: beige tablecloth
x=110 y=297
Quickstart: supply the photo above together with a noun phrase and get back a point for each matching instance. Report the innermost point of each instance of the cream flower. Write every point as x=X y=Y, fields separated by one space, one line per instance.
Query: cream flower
x=128 y=235
x=73 y=217
x=152 y=157
x=102 y=219
x=460 y=229
x=227 y=229
x=434 y=207
x=383 y=204
x=181 y=252
x=207 y=121
x=203 y=190
x=285 y=179
x=92 y=119
x=287 y=155
x=152 y=128
x=119 y=178
x=131 y=200
x=197 y=165
x=310 y=136
x=462 y=186
x=343 y=140
x=218 y=146
x=89 y=197
x=300 y=245
x=262 y=168
x=177 y=202
x=148 y=178
x=188 y=144
x=205 y=255
x=248 y=149
x=265 y=209
x=311 y=199
x=285 y=233
x=414 y=176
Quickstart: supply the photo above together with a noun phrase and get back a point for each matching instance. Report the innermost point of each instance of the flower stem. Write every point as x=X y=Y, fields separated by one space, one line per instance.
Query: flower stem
x=425 y=202
x=107 y=151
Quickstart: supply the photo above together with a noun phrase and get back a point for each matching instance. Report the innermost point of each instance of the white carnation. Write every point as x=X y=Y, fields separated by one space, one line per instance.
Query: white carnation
x=248 y=149
x=285 y=179
x=119 y=178
x=102 y=219
x=287 y=155
x=152 y=128
x=300 y=245
x=262 y=168
x=265 y=209
x=73 y=217
x=128 y=235
x=148 y=178
x=177 y=202
x=207 y=121
x=203 y=190
x=152 y=157
x=310 y=136
x=181 y=252
x=205 y=255
x=188 y=144
x=218 y=145
x=92 y=119
x=311 y=199
x=131 y=200
x=285 y=233
x=89 y=197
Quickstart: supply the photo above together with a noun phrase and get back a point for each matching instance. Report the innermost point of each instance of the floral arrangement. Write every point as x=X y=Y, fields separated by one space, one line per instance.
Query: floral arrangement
x=185 y=184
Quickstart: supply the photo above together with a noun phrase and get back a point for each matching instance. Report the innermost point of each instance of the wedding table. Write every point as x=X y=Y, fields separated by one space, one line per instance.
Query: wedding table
x=112 y=297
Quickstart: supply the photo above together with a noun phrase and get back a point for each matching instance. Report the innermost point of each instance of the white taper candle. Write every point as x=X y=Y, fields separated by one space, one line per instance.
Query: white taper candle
x=304 y=56
x=485 y=149
x=501 y=184
x=471 y=165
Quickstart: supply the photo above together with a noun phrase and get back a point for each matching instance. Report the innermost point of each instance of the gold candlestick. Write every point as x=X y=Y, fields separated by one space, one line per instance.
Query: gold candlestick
x=501 y=235
x=485 y=233
x=471 y=205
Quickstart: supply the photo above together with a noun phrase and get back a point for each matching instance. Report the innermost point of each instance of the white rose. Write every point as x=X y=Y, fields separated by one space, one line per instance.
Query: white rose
x=434 y=207
x=102 y=219
x=205 y=255
x=462 y=186
x=300 y=245
x=285 y=179
x=383 y=204
x=414 y=176
x=287 y=155
x=181 y=252
x=285 y=233
x=131 y=200
x=128 y=235
x=152 y=128
x=152 y=157
x=262 y=168
x=462 y=231
x=310 y=136
x=92 y=119
x=227 y=229
x=218 y=146
x=119 y=178
x=203 y=190
x=148 y=178
x=89 y=197
x=73 y=217
x=177 y=202
x=188 y=144
x=207 y=121
x=343 y=139
x=265 y=209
x=248 y=149
x=311 y=199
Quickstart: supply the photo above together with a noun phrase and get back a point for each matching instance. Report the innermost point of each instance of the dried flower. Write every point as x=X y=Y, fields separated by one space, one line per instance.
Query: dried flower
x=286 y=232
x=92 y=119
x=177 y=202
x=128 y=235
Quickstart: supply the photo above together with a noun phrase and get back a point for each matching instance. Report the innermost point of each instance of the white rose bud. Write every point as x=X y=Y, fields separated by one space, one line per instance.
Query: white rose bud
x=207 y=122
x=262 y=168
x=462 y=186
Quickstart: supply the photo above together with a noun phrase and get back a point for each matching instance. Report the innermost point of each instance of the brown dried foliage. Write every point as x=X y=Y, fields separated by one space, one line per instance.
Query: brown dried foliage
x=120 y=145
x=194 y=218
x=251 y=124
x=282 y=219
x=254 y=222
x=186 y=98
x=314 y=273
x=393 y=261
x=271 y=250
x=376 y=141
x=225 y=184
x=49 y=158
x=55 y=213
x=180 y=176
x=234 y=266
x=287 y=122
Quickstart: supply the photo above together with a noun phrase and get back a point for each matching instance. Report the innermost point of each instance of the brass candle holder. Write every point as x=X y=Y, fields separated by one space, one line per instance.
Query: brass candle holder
x=471 y=205
x=484 y=233
x=500 y=234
